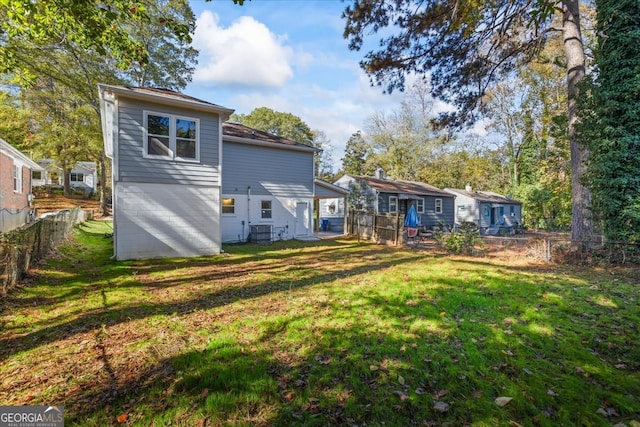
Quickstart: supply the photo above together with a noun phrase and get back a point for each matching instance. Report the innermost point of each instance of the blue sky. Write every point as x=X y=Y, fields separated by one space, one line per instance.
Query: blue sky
x=288 y=55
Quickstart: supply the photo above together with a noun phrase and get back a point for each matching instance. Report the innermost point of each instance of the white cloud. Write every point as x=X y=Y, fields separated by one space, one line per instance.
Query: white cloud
x=246 y=53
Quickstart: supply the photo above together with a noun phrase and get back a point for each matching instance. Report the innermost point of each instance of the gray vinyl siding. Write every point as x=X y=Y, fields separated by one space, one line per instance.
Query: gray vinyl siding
x=428 y=218
x=277 y=172
x=134 y=167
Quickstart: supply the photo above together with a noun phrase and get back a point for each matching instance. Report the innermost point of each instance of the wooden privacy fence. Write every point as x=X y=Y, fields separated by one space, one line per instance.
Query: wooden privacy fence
x=381 y=228
x=19 y=248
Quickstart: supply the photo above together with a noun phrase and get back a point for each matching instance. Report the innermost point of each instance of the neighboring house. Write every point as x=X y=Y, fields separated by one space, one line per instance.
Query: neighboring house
x=332 y=200
x=490 y=211
x=15 y=187
x=82 y=177
x=167 y=177
x=434 y=207
x=267 y=186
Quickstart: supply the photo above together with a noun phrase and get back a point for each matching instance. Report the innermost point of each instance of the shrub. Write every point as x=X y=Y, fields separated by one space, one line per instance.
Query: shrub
x=462 y=241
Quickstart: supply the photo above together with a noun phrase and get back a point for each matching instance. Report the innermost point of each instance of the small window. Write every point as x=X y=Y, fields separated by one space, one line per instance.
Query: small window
x=171 y=137
x=393 y=204
x=331 y=208
x=513 y=210
x=420 y=206
x=438 y=206
x=17 y=178
x=36 y=175
x=265 y=209
x=228 y=206
x=76 y=177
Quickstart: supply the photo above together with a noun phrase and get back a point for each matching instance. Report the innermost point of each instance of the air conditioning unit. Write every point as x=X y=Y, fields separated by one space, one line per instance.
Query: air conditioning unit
x=260 y=234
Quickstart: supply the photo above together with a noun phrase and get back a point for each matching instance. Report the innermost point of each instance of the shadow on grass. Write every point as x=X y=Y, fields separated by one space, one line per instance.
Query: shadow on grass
x=228 y=294
x=384 y=358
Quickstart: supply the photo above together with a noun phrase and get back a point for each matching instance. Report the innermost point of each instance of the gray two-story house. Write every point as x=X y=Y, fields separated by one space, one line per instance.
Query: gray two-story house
x=167 y=150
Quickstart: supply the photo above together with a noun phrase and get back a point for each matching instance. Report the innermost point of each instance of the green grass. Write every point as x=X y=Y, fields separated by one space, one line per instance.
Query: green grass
x=327 y=333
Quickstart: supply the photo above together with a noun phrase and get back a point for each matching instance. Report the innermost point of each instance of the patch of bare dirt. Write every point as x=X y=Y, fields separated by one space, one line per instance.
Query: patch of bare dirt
x=45 y=203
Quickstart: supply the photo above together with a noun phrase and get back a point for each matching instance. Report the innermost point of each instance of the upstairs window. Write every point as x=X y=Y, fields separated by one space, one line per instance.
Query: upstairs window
x=171 y=137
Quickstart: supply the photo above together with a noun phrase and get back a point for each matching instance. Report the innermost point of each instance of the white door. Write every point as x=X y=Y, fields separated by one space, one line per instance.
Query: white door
x=302 y=219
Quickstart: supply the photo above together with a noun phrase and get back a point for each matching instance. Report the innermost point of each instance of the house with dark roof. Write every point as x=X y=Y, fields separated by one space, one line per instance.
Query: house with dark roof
x=185 y=181
x=492 y=212
x=435 y=207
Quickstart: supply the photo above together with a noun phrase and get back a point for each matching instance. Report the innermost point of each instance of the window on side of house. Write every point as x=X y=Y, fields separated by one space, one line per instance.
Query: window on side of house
x=76 y=177
x=438 y=206
x=393 y=204
x=265 y=209
x=228 y=206
x=36 y=175
x=171 y=137
x=420 y=205
x=17 y=178
x=512 y=210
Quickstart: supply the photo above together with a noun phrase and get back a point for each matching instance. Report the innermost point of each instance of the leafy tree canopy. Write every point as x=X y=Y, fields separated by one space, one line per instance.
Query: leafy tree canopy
x=465 y=45
x=286 y=125
x=101 y=26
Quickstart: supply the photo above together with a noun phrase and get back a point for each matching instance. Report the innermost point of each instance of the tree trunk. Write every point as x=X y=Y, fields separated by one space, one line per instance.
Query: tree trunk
x=66 y=181
x=581 y=223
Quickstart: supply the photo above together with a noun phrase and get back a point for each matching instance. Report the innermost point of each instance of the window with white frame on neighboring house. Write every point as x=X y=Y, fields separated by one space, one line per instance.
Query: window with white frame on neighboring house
x=393 y=204
x=36 y=175
x=17 y=178
x=265 y=209
x=76 y=177
x=438 y=206
x=171 y=137
x=420 y=205
x=228 y=206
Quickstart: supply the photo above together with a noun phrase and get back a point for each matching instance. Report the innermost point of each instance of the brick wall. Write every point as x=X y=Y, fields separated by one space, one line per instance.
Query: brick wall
x=8 y=198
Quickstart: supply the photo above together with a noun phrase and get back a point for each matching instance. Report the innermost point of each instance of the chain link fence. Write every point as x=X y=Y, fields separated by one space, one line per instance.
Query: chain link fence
x=24 y=246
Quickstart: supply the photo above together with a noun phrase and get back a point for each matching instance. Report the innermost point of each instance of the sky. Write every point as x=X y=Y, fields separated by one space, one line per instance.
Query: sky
x=290 y=56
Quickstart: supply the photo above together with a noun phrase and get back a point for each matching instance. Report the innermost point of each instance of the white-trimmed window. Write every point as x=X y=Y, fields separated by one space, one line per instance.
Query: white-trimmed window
x=76 y=177
x=438 y=206
x=17 y=178
x=420 y=205
x=393 y=204
x=171 y=137
x=36 y=175
x=265 y=209
x=229 y=206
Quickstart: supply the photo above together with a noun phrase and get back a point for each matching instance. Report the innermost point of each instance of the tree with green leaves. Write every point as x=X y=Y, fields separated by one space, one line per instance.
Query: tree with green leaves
x=46 y=63
x=357 y=156
x=612 y=121
x=465 y=47
x=285 y=125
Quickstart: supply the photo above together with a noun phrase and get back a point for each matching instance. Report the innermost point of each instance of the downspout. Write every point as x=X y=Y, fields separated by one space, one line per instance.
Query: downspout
x=248 y=210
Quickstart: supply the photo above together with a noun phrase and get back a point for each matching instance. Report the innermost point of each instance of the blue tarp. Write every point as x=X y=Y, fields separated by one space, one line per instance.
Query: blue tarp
x=411 y=219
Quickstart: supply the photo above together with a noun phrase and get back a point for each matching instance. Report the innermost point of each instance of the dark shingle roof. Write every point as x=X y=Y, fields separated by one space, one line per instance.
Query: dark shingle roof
x=241 y=131
x=401 y=187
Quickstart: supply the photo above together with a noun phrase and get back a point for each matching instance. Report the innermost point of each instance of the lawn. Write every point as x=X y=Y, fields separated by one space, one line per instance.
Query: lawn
x=329 y=333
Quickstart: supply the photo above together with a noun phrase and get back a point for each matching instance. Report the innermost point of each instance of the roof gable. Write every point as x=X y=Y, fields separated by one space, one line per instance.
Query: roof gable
x=13 y=152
